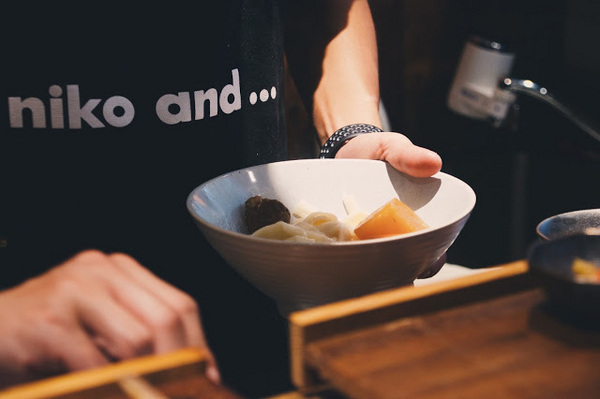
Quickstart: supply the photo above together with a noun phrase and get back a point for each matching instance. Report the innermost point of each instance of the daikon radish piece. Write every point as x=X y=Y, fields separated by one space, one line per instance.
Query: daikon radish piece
x=303 y=209
x=393 y=218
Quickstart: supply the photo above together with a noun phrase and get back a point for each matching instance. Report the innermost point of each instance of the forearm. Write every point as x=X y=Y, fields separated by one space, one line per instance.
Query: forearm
x=349 y=88
x=345 y=84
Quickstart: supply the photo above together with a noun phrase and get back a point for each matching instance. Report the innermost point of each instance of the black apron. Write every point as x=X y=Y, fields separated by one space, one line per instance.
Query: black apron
x=112 y=115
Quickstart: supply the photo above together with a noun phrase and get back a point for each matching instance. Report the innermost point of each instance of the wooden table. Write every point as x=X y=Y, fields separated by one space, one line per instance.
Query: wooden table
x=489 y=335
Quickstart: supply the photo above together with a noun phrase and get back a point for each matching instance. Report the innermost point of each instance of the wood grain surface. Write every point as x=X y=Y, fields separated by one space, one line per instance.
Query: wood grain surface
x=382 y=307
x=508 y=347
x=491 y=335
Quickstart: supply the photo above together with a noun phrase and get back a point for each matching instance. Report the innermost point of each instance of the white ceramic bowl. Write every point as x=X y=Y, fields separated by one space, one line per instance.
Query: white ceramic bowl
x=302 y=275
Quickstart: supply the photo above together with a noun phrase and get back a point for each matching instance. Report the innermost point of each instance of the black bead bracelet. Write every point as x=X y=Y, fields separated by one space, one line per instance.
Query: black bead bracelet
x=341 y=137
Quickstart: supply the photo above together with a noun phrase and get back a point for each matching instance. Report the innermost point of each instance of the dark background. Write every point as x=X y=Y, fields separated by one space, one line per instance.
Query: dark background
x=537 y=167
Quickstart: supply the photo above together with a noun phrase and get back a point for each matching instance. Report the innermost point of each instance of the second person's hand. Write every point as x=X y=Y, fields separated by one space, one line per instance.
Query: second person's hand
x=92 y=309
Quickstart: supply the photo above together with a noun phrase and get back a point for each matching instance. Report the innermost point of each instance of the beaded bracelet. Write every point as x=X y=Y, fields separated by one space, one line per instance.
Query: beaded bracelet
x=341 y=137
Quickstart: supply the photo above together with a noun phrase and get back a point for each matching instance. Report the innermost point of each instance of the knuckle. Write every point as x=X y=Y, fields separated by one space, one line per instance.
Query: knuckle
x=136 y=344
x=68 y=285
x=166 y=320
x=185 y=305
x=121 y=257
x=84 y=262
x=91 y=256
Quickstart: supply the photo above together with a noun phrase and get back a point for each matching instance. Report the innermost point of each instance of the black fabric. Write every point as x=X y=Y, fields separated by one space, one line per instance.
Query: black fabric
x=114 y=170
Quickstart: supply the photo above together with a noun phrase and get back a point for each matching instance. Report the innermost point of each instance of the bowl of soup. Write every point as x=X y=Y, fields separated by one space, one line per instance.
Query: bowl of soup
x=299 y=273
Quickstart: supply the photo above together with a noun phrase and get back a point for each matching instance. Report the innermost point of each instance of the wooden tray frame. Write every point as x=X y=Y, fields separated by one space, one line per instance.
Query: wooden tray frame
x=145 y=377
x=325 y=321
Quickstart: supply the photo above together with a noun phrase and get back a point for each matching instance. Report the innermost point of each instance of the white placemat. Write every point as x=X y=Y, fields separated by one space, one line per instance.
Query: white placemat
x=449 y=272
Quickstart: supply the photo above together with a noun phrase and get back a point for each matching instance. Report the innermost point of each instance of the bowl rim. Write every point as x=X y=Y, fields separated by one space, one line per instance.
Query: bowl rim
x=249 y=237
x=561 y=215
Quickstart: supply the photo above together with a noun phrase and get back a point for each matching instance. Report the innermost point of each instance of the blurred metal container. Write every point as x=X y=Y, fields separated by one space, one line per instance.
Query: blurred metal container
x=585 y=221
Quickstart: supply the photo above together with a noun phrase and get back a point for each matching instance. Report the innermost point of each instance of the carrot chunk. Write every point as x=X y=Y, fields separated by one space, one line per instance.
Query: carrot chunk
x=393 y=218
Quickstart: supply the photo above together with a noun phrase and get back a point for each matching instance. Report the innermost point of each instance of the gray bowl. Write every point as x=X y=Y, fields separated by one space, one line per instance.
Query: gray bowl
x=550 y=265
x=570 y=223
